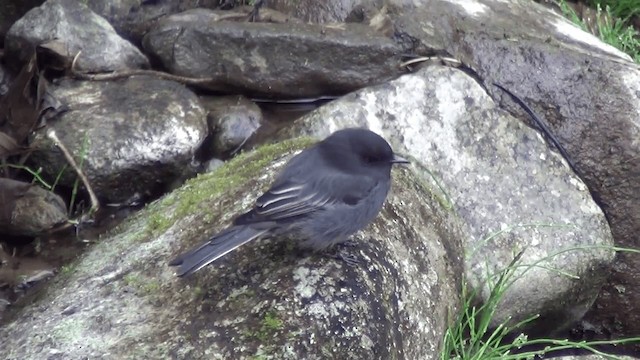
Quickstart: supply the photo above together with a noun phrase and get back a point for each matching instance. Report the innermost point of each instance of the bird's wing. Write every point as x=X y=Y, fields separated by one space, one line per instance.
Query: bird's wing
x=296 y=197
x=292 y=199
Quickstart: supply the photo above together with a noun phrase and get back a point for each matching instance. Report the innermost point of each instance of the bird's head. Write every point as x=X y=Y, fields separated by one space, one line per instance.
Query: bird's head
x=359 y=148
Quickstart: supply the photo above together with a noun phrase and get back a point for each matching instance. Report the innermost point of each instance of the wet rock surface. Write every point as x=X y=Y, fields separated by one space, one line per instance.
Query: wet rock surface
x=29 y=210
x=232 y=120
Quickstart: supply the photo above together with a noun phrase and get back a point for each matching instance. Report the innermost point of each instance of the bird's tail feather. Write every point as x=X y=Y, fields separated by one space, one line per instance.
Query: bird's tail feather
x=218 y=246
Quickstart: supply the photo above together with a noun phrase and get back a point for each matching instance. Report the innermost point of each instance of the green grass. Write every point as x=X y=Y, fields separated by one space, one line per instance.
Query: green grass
x=612 y=23
x=615 y=32
x=471 y=337
x=621 y=9
x=37 y=178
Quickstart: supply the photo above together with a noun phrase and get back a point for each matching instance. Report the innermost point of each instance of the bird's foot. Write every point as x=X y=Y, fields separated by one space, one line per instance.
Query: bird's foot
x=344 y=255
x=349 y=243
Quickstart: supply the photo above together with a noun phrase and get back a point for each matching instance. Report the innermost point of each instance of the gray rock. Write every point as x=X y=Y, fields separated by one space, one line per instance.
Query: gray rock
x=562 y=73
x=262 y=301
x=29 y=210
x=287 y=60
x=130 y=136
x=4 y=303
x=501 y=178
x=133 y=18
x=73 y=23
x=212 y=164
x=5 y=80
x=10 y=11
x=232 y=120
x=329 y=11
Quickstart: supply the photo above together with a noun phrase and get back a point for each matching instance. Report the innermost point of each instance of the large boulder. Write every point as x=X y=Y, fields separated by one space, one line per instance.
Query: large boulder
x=80 y=30
x=130 y=138
x=511 y=190
x=274 y=60
x=588 y=94
x=121 y=300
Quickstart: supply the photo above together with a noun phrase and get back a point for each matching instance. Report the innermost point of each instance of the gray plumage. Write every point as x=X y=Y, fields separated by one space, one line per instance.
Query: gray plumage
x=322 y=196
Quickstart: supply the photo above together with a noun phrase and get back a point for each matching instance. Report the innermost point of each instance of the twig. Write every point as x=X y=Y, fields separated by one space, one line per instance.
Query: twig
x=128 y=73
x=95 y=204
x=445 y=60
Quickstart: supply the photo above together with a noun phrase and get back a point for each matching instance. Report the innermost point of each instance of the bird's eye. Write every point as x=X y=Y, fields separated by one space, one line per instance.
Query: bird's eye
x=370 y=159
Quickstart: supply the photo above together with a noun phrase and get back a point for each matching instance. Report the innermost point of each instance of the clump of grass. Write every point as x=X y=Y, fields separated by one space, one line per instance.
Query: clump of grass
x=617 y=33
x=37 y=175
x=571 y=14
x=621 y=9
x=612 y=23
x=471 y=336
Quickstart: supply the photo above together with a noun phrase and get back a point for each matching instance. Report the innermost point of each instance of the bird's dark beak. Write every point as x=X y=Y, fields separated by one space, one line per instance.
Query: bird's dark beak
x=399 y=160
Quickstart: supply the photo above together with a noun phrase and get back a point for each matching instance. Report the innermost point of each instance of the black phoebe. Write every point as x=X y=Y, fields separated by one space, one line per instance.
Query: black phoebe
x=322 y=196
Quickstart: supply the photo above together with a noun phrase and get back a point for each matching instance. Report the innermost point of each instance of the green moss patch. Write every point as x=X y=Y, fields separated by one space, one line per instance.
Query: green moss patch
x=196 y=192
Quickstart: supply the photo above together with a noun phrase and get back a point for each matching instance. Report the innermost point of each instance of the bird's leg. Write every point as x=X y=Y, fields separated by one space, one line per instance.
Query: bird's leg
x=348 y=243
x=226 y=4
x=341 y=252
x=253 y=15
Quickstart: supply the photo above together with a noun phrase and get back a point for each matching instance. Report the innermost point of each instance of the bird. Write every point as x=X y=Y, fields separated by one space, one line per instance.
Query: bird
x=323 y=195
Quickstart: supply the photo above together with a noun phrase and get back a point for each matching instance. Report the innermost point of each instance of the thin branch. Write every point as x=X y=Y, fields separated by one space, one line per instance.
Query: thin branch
x=95 y=204
x=449 y=61
x=128 y=73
